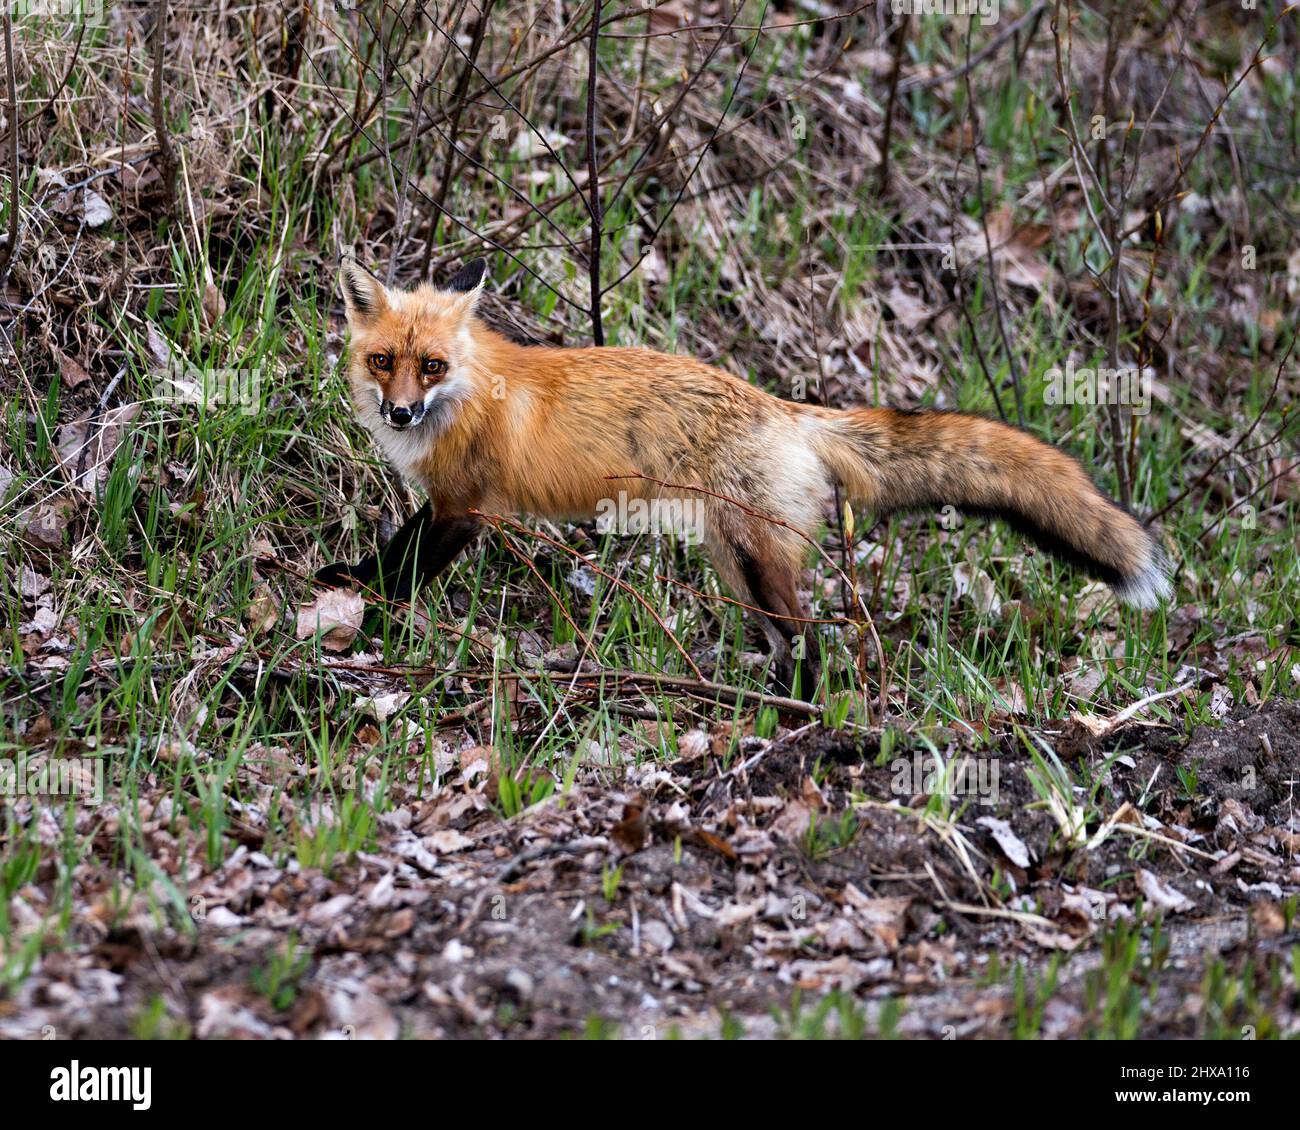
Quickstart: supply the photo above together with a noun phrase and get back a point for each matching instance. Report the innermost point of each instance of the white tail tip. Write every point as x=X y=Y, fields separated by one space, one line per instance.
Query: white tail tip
x=1150 y=587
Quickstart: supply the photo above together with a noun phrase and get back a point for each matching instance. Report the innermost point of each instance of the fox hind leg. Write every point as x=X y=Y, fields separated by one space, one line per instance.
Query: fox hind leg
x=762 y=566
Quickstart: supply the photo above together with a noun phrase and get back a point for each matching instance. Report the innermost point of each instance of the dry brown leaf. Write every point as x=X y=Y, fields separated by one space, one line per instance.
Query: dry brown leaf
x=214 y=305
x=337 y=613
x=1163 y=896
x=83 y=204
x=704 y=838
x=1268 y=919
x=48 y=524
x=447 y=840
x=72 y=374
x=263 y=611
x=884 y=917
x=693 y=745
x=87 y=445
x=480 y=760
x=631 y=831
x=909 y=311
x=1017 y=250
x=160 y=349
x=979 y=586
x=792 y=822
x=32 y=584
x=1013 y=847
x=381 y=707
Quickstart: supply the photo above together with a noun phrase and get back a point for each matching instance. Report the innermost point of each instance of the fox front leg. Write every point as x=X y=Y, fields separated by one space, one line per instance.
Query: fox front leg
x=415 y=555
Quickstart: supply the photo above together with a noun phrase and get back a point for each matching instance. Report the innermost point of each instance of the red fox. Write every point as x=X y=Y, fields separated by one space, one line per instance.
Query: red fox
x=482 y=423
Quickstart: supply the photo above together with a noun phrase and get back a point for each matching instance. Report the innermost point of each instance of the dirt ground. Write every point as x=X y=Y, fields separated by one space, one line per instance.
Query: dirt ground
x=684 y=899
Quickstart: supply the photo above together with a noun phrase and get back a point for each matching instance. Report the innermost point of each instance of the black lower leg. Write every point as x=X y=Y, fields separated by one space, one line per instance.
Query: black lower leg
x=417 y=553
x=776 y=596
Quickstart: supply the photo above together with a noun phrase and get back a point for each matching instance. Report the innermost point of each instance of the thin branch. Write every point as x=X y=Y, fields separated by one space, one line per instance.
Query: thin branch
x=72 y=66
x=475 y=96
x=1078 y=152
x=695 y=168
x=427 y=199
x=11 y=91
x=976 y=134
x=651 y=130
x=1115 y=26
x=166 y=154
x=1171 y=189
x=1242 y=501
x=496 y=89
x=528 y=203
x=916 y=82
x=593 y=179
x=399 y=226
x=900 y=41
x=458 y=110
x=1268 y=403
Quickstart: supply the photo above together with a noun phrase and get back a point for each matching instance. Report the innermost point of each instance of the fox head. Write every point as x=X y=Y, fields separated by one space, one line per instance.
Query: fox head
x=411 y=350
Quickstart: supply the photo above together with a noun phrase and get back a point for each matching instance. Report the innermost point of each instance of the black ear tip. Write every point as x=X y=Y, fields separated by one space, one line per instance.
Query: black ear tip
x=469 y=276
x=357 y=295
x=359 y=285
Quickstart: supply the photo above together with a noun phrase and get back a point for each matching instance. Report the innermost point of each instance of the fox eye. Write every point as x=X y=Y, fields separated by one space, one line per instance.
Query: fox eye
x=434 y=366
x=381 y=361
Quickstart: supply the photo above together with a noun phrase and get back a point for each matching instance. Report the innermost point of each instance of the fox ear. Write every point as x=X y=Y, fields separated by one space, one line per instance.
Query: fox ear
x=469 y=278
x=363 y=294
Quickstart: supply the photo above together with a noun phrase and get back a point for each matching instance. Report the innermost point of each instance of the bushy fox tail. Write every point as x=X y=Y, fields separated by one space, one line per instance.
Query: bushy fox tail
x=889 y=460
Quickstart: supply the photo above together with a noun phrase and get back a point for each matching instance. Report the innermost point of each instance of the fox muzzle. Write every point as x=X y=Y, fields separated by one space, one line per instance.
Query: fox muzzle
x=400 y=415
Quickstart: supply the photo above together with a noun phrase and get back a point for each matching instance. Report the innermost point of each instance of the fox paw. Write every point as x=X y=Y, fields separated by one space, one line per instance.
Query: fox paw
x=800 y=683
x=342 y=575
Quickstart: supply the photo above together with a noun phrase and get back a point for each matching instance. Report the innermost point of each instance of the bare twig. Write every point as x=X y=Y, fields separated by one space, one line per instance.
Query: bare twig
x=1243 y=501
x=498 y=520
x=917 y=82
x=964 y=308
x=495 y=87
x=694 y=168
x=1165 y=195
x=166 y=154
x=488 y=85
x=63 y=82
x=399 y=227
x=459 y=101
x=1078 y=151
x=1204 y=475
x=593 y=178
x=361 y=131
x=11 y=92
x=899 y=37
x=1115 y=196
x=651 y=131
x=976 y=135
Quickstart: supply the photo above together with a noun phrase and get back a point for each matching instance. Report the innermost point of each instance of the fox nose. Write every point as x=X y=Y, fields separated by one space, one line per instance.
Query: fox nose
x=399 y=415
